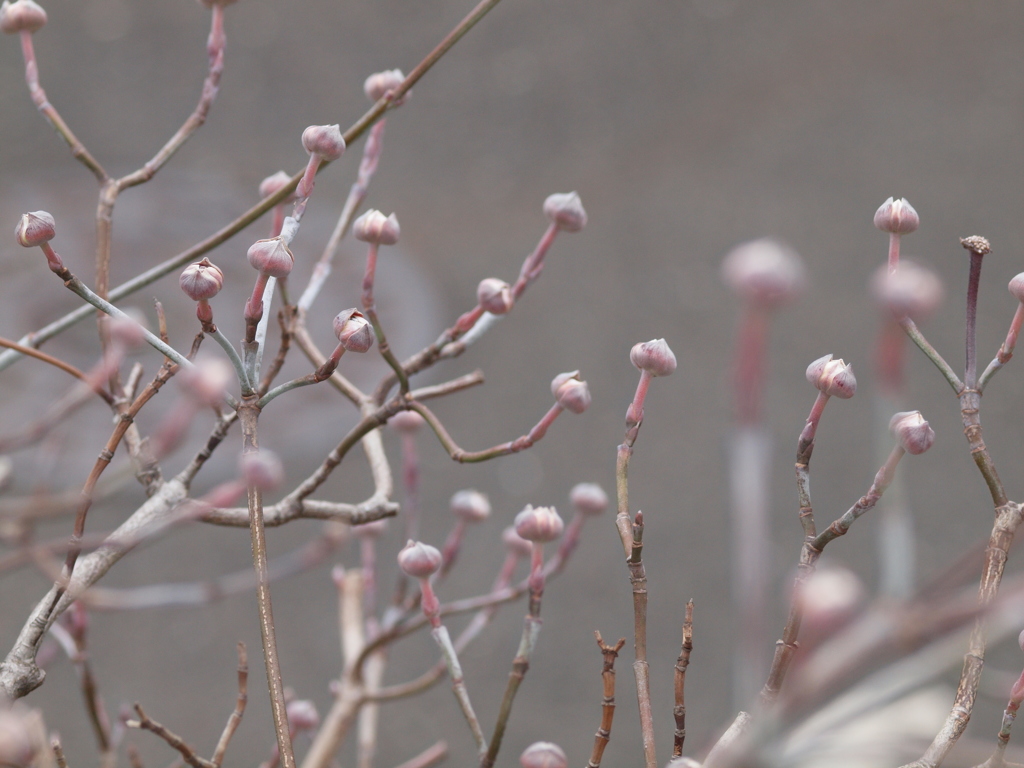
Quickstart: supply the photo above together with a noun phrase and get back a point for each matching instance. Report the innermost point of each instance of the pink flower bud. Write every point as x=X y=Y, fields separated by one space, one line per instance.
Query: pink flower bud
x=912 y=432
x=207 y=380
x=765 y=272
x=897 y=217
x=274 y=183
x=419 y=560
x=543 y=754
x=566 y=211
x=494 y=295
x=471 y=506
x=353 y=330
x=589 y=498
x=829 y=597
x=380 y=83
x=515 y=543
x=374 y=227
x=302 y=715
x=571 y=392
x=1017 y=287
x=21 y=16
x=262 y=470
x=324 y=141
x=653 y=356
x=35 y=229
x=832 y=377
x=539 y=524
x=128 y=331
x=271 y=257
x=202 y=280
x=407 y=421
x=911 y=291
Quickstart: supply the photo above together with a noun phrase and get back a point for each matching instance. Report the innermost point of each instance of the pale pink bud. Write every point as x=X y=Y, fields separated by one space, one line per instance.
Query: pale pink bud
x=202 y=280
x=571 y=392
x=653 y=356
x=353 y=330
x=494 y=295
x=515 y=543
x=566 y=211
x=35 y=229
x=1017 y=287
x=471 y=506
x=407 y=421
x=910 y=291
x=374 y=227
x=128 y=331
x=379 y=83
x=324 y=141
x=262 y=470
x=274 y=183
x=271 y=257
x=539 y=524
x=829 y=597
x=419 y=560
x=1020 y=640
x=589 y=498
x=17 y=747
x=21 y=16
x=207 y=380
x=832 y=377
x=373 y=530
x=897 y=217
x=302 y=715
x=912 y=432
x=543 y=754
x=764 y=271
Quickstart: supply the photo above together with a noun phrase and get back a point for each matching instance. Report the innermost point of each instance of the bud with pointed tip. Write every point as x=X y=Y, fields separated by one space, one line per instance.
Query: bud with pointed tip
x=353 y=330
x=764 y=271
x=374 y=227
x=494 y=295
x=274 y=183
x=833 y=378
x=566 y=211
x=908 y=291
x=654 y=357
x=912 y=432
x=407 y=421
x=271 y=257
x=589 y=498
x=201 y=281
x=324 y=141
x=262 y=469
x=539 y=524
x=571 y=392
x=543 y=754
x=419 y=560
x=897 y=217
x=379 y=83
x=471 y=506
x=21 y=16
x=34 y=229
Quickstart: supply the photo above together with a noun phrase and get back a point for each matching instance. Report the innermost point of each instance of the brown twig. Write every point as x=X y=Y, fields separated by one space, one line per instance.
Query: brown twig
x=609 y=653
x=66 y=367
x=679 y=710
x=428 y=757
x=172 y=739
x=236 y=716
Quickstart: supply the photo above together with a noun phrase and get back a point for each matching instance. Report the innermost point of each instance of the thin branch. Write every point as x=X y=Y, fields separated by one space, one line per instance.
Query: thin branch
x=66 y=367
x=172 y=739
x=609 y=653
x=236 y=716
x=679 y=710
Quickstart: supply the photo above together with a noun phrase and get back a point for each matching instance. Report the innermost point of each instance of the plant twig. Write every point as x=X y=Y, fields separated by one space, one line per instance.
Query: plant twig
x=236 y=716
x=609 y=653
x=679 y=710
x=172 y=739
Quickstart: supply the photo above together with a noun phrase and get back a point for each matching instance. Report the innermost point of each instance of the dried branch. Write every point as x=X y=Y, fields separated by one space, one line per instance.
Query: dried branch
x=609 y=653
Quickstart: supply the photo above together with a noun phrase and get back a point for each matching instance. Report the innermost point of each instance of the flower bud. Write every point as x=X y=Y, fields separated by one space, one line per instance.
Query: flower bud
x=543 y=754
x=571 y=392
x=419 y=560
x=262 y=470
x=18 y=726
x=832 y=377
x=1017 y=287
x=1020 y=640
x=539 y=524
x=379 y=83
x=829 y=597
x=407 y=421
x=589 y=498
x=912 y=432
x=271 y=257
x=207 y=380
x=764 y=271
x=471 y=506
x=353 y=330
x=897 y=217
x=374 y=227
x=566 y=211
x=35 y=229
x=324 y=141
x=21 y=16
x=515 y=543
x=202 y=280
x=494 y=295
x=274 y=183
x=653 y=356
x=130 y=331
x=910 y=291
x=302 y=715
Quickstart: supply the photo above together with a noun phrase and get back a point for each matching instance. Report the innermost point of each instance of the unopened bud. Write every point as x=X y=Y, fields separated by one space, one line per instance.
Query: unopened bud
x=832 y=377
x=829 y=597
x=543 y=754
x=17 y=745
x=471 y=506
x=35 y=229
x=1017 y=287
x=207 y=380
x=202 y=280
x=271 y=257
x=407 y=421
x=262 y=469
x=764 y=271
x=302 y=715
x=566 y=211
x=912 y=432
x=589 y=498
x=21 y=16
x=324 y=141
x=910 y=291
x=571 y=392
x=274 y=183
x=539 y=524
x=128 y=331
x=353 y=330
x=494 y=295
x=374 y=227
x=653 y=356
x=379 y=83
x=897 y=217
x=515 y=543
x=373 y=530
x=419 y=560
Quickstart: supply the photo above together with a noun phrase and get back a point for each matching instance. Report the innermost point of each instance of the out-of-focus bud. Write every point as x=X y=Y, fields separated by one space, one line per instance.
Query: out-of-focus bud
x=494 y=295
x=1017 y=287
x=373 y=530
x=543 y=754
x=829 y=597
x=911 y=291
x=589 y=498
x=17 y=746
x=374 y=227
x=764 y=271
x=263 y=470
x=274 y=183
x=897 y=217
x=832 y=377
x=912 y=432
x=571 y=392
x=130 y=331
x=35 y=229
x=407 y=421
x=419 y=560
x=379 y=83
x=302 y=715
x=202 y=280
x=471 y=506
x=207 y=380
x=565 y=211
x=515 y=543
x=271 y=257
x=1020 y=640
x=324 y=141
x=21 y=16
x=353 y=330
x=653 y=356
x=539 y=524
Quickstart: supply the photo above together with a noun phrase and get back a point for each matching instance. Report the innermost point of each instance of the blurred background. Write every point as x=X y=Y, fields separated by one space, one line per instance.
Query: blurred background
x=686 y=126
